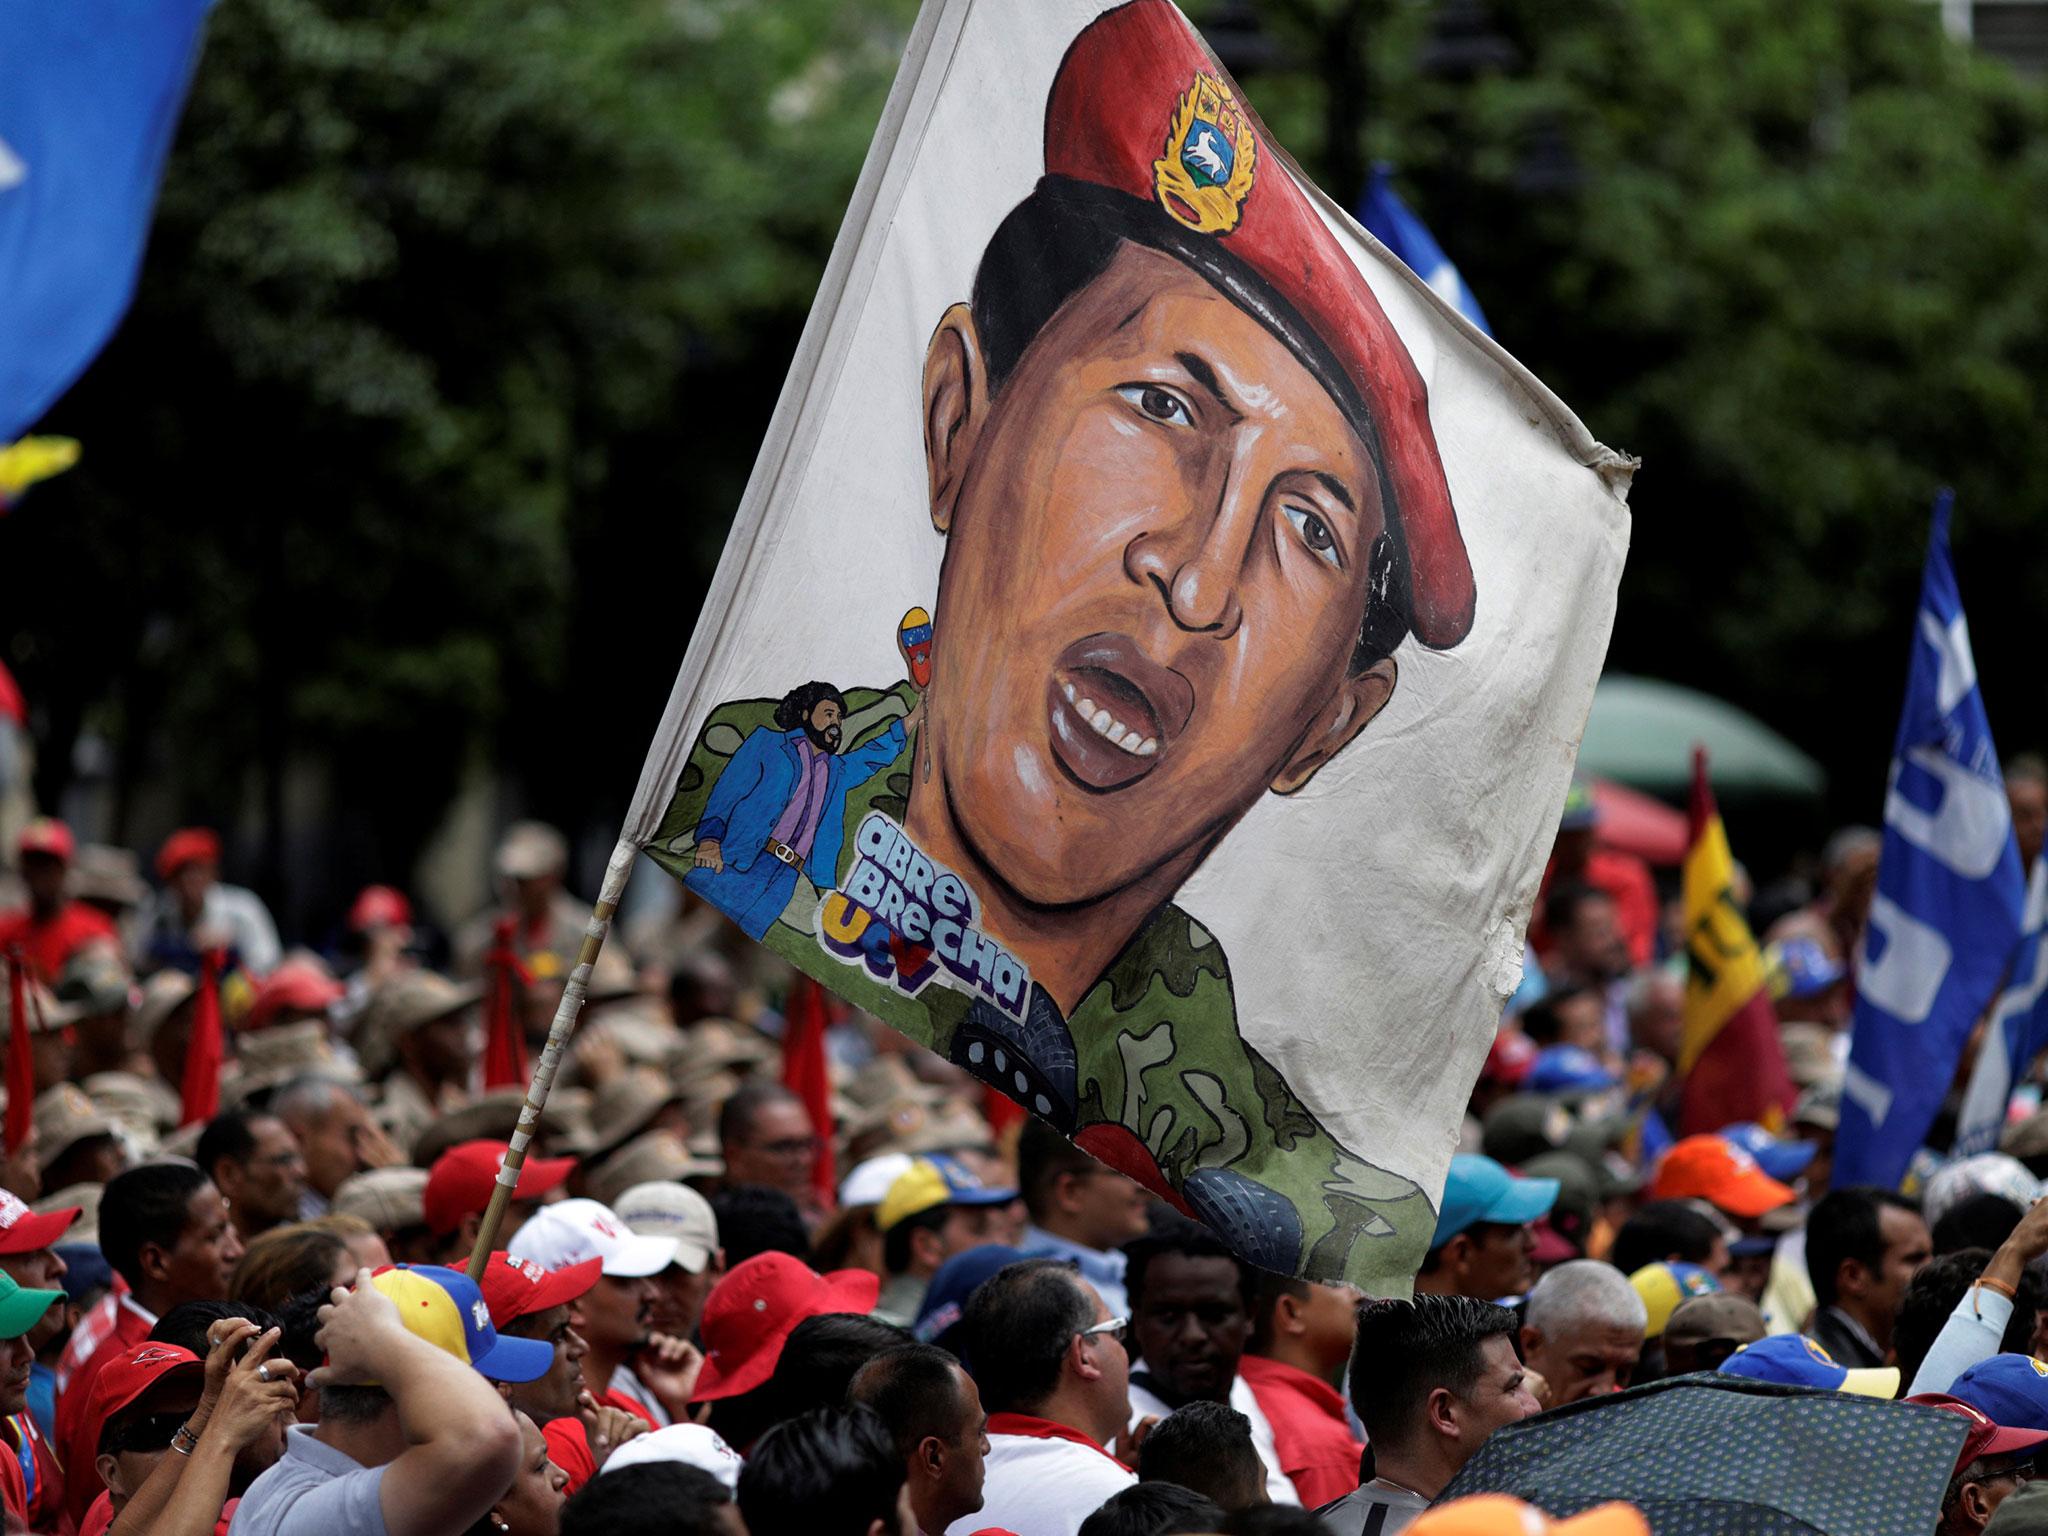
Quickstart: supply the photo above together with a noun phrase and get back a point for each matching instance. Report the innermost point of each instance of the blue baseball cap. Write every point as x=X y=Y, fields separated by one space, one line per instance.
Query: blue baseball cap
x=1567 y=1069
x=1782 y=1160
x=1796 y=968
x=444 y=1307
x=2008 y=1389
x=956 y=1280
x=1792 y=1360
x=1479 y=1189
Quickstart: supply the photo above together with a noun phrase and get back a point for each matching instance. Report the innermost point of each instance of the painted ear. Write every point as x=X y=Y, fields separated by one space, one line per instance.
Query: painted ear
x=1348 y=711
x=955 y=406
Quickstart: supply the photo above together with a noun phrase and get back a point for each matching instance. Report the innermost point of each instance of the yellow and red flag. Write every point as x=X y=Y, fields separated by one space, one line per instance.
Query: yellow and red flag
x=1730 y=1058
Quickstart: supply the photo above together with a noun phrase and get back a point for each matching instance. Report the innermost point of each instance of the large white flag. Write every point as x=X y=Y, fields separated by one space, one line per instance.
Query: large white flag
x=1151 y=652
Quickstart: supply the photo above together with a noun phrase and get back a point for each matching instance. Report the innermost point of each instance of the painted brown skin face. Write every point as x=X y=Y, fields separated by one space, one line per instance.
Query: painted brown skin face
x=1163 y=516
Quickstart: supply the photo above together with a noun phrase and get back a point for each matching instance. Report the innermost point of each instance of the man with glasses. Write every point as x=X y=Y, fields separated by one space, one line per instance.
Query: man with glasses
x=1996 y=1461
x=258 y=1167
x=1049 y=1359
x=766 y=1137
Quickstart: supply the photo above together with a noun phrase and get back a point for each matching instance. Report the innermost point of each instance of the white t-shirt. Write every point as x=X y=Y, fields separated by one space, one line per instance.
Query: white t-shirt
x=1279 y=1487
x=1040 y=1483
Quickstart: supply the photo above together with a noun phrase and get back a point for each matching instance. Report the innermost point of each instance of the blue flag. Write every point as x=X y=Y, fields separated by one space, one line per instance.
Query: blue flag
x=1395 y=226
x=2019 y=1028
x=1947 y=910
x=90 y=101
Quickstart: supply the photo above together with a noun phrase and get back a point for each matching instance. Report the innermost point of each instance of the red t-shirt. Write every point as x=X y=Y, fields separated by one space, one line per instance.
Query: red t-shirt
x=101 y=1516
x=48 y=944
x=569 y=1449
x=77 y=1434
x=1314 y=1439
x=13 y=1490
x=45 y=1490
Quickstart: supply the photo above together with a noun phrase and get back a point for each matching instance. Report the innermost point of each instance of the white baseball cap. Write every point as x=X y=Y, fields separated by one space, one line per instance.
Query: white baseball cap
x=574 y=1231
x=693 y=1445
x=672 y=1210
x=869 y=1181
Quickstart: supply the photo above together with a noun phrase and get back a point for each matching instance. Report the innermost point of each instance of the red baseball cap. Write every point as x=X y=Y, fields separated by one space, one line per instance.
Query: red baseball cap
x=515 y=1288
x=379 y=906
x=521 y=1287
x=132 y=1373
x=295 y=987
x=1140 y=107
x=459 y=1183
x=24 y=1231
x=1509 y=1058
x=48 y=836
x=749 y=1314
x=1720 y=1173
x=1985 y=1437
x=187 y=845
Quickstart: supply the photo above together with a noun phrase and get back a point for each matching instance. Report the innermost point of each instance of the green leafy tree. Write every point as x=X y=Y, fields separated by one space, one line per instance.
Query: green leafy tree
x=459 y=324
x=1794 y=257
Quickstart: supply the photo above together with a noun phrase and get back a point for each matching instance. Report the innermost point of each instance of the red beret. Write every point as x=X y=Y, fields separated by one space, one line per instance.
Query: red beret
x=188 y=845
x=1140 y=106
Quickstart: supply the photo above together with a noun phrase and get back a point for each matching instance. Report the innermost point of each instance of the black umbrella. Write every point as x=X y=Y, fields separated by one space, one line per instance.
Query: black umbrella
x=1712 y=1455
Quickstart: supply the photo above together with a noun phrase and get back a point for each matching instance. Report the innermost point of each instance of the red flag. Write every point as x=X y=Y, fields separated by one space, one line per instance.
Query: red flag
x=504 y=1022
x=1000 y=1110
x=21 y=1060
x=804 y=1074
x=199 y=1092
x=1730 y=1053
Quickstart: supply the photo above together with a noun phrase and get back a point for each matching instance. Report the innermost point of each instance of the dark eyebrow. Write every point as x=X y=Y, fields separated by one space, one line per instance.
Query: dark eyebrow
x=1205 y=376
x=1336 y=488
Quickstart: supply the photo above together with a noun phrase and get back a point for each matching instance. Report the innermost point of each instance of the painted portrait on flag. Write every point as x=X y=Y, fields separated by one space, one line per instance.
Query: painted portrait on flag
x=1180 y=523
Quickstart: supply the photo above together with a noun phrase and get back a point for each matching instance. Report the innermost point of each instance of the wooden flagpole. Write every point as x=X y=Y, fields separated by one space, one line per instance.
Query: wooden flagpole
x=615 y=875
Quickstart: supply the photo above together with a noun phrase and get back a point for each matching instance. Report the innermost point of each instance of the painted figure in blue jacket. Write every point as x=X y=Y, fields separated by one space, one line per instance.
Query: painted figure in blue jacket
x=780 y=806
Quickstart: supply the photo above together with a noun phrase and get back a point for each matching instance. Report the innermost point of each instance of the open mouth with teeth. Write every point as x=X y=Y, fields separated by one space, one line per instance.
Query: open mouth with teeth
x=1106 y=725
x=1114 y=711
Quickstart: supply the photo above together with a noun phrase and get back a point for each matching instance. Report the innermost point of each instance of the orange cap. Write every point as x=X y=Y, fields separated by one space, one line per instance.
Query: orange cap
x=1721 y=1173
x=1495 y=1514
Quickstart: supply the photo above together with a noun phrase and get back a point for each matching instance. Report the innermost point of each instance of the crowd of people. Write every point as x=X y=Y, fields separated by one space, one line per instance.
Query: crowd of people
x=235 y=1229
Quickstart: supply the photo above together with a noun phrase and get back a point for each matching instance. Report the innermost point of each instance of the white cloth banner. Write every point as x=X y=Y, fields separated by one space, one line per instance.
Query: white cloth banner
x=1151 y=651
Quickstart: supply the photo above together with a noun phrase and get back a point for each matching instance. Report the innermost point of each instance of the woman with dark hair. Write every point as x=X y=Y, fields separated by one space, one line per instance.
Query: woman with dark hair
x=532 y=1506
x=286 y=1261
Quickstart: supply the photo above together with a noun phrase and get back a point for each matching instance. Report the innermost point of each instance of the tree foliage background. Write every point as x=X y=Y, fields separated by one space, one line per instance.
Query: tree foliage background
x=462 y=319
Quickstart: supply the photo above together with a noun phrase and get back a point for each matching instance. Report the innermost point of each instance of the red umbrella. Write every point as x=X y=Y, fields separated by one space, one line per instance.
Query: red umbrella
x=1632 y=822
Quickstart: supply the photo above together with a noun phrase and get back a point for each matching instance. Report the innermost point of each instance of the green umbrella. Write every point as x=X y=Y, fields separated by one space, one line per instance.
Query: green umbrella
x=1642 y=733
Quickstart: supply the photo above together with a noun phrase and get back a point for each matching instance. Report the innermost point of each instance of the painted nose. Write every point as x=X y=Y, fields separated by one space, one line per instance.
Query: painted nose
x=1196 y=563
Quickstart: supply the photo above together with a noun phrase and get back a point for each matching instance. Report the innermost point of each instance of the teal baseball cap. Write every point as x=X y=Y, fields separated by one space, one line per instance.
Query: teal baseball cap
x=21 y=1308
x=1478 y=1189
